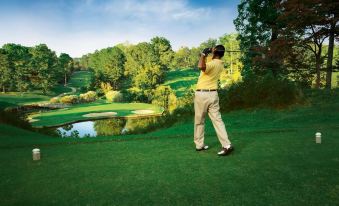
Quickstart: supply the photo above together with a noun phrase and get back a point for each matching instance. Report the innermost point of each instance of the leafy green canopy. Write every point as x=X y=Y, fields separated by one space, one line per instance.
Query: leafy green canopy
x=66 y=62
x=108 y=65
x=286 y=38
x=31 y=68
x=144 y=67
x=257 y=27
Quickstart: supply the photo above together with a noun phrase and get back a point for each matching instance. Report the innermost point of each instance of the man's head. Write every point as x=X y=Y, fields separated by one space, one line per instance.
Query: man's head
x=218 y=51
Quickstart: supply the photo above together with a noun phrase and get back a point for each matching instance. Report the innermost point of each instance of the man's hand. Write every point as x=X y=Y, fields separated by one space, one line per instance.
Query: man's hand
x=206 y=51
x=202 y=61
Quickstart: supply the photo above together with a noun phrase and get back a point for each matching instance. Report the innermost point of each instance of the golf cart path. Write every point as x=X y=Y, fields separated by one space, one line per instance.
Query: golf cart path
x=67 y=93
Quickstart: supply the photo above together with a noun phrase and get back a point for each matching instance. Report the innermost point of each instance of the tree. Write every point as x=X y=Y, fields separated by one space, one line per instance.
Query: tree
x=84 y=62
x=44 y=66
x=108 y=65
x=67 y=65
x=309 y=23
x=231 y=59
x=257 y=26
x=164 y=97
x=5 y=77
x=163 y=48
x=112 y=60
x=330 y=19
x=194 y=56
x=19 y=59
x=144 y=67
x=182 y=58
x=208 y=44
x=299 y=62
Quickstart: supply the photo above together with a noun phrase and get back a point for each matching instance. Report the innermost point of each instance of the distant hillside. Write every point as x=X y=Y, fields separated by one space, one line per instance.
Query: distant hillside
x=81 y=80
x=181 y=80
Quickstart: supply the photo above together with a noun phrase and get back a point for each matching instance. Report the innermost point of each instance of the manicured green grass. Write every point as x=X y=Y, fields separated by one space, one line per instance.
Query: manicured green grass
x=276 y=162
x=181 y=80
x=76 y=112
x=15 y=99
x=59 y=89
x=80 y=79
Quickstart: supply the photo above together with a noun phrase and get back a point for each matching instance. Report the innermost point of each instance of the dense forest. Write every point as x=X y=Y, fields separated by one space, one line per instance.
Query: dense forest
x=136 y=69
x=32 y=68
x=286 y=39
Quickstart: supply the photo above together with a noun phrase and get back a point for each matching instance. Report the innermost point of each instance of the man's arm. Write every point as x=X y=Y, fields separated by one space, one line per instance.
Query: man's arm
x=202 y=63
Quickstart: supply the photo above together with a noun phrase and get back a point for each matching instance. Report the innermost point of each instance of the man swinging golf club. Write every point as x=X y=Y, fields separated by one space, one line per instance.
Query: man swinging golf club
x=206 y=100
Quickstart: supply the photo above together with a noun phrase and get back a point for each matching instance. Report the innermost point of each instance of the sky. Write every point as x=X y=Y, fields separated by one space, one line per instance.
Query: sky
x=78 y=27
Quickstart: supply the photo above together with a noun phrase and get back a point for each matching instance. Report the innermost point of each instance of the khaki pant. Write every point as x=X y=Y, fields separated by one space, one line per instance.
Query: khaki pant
x=208 y=102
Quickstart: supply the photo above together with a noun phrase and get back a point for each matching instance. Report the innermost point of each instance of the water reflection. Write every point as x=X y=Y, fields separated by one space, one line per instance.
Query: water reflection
x=109 y=127
x=135 y=126
x=81 y=129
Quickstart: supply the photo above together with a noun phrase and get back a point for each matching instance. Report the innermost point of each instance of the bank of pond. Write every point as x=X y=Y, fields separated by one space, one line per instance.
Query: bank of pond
x=87 y=120
x=91 y=111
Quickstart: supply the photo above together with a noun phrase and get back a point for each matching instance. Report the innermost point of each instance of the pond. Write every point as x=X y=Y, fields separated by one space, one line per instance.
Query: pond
x=110 y=127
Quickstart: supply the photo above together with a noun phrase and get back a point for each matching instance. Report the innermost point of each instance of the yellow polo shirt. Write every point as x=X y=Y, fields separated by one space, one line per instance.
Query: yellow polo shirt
x=209 y=78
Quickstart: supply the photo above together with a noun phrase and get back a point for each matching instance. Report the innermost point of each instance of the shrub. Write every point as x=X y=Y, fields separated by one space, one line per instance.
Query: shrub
x=260 y=92
x=114 y=96
x=186 y=103
x=106 y=87
x=137 y=94
x=70 y=99
x=162 y=94
x=89 y=96
x=54 y=100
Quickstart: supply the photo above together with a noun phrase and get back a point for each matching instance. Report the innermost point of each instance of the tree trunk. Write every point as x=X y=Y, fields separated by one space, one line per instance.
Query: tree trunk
x=65 y=79
x=318 y=64
x=274 y=33
x=3 y=89
x=276 y=65
x=317 y=82
x=330 y=58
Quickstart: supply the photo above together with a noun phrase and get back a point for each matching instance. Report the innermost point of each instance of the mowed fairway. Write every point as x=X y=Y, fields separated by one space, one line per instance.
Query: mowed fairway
x=181 y=80
x=16 y=99
x=80 y=79
x=276 y=162
x=76 y=112
x=12 y=99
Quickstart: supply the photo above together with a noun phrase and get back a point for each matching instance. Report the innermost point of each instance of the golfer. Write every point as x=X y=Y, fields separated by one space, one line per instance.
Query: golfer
x=206 y=100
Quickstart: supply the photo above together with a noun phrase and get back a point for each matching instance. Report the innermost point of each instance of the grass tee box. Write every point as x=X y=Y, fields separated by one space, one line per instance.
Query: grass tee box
x=276 y=162
x=82 y=112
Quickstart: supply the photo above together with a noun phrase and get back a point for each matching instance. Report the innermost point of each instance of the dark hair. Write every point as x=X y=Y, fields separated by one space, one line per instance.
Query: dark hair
x=219 y=50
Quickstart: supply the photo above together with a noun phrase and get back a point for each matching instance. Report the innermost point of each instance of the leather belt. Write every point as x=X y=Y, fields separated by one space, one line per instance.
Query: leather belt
x=206 y=90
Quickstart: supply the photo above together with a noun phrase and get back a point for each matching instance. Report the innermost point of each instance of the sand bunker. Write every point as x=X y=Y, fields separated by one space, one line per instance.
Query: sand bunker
x=32 y=120
x=143 y=111
x=100 y=114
